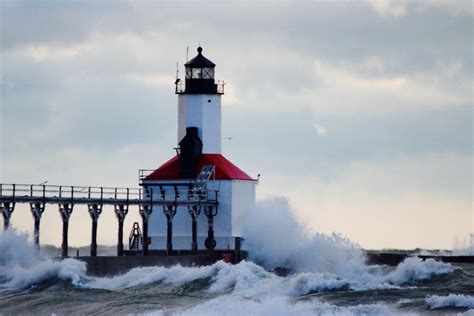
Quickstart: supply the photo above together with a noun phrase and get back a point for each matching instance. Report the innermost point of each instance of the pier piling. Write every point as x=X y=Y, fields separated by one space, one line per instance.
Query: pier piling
x=37 y=210
x=210 y=212
x=65 y=210
x=120 y=211
x=7 y=210
x=145 y=212
x=94 y=211
x=194 y=211
x=170 y=212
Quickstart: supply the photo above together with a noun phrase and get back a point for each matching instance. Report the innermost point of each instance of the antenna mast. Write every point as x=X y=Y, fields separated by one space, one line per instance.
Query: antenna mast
x=187 y=54
x=177 y=70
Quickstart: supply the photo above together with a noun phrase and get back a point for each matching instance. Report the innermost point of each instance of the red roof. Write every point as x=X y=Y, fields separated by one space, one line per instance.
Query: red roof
x=225 y=170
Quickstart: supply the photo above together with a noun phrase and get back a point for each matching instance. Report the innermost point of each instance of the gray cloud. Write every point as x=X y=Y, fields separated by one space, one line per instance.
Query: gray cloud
x=347 y=31
x=87 y=88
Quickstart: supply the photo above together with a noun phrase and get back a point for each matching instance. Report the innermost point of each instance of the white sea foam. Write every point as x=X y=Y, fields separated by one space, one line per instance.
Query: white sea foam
x=404 y=301
x=176 y=276
x=21 y=267
x=276 y=305
x=416 y=269
x=321 y=263
x=451 y=300
x=245 y=278
x=274 y=238
x=250 y=280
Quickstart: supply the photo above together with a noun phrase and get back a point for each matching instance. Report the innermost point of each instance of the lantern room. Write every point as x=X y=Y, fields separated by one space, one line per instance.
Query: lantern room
x=199 y=77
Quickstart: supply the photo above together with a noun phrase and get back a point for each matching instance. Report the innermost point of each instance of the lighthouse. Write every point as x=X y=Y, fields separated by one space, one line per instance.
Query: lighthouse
x=222 y=193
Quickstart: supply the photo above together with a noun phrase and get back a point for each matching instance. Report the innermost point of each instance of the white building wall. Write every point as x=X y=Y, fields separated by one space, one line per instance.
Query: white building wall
x=236 y=200
x=243 y=204
x=204 y=112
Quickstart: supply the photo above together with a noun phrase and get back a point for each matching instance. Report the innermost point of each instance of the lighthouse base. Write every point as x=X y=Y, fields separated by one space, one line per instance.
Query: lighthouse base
x=225 y=243
x=109 y=266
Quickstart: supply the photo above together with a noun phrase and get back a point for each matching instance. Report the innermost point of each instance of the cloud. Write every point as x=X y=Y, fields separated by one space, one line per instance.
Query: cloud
x=392 y=8
x=43 y=52
x=88 y=96
x=149 y=79
x=343 y=90
x=320 y=130
x=400 y=8
x=455 y=7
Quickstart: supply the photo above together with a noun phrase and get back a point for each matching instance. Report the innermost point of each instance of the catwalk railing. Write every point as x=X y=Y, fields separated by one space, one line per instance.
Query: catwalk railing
x=181 y=86
x=168 y=196
x=54 y=194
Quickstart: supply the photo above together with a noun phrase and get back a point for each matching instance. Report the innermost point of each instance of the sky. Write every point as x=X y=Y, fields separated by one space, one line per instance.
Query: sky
x=359 y=112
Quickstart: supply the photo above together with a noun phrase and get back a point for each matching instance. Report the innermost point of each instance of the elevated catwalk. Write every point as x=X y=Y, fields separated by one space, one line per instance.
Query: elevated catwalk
x=194 y=195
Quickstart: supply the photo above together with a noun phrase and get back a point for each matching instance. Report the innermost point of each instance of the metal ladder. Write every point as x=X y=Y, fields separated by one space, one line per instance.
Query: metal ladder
x=134 y=238
x=200 y=183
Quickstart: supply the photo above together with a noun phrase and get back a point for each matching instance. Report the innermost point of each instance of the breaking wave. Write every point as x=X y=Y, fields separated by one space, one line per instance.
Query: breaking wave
x=451 y=300
x=415 y=269
x=21 y=268
x=249 y=279
x=278 y=305
x=274 y=237
x=318 y=264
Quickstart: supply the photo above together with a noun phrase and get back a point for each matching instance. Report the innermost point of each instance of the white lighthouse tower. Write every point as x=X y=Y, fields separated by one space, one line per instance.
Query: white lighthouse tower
x=199 y=103
x=198 y=163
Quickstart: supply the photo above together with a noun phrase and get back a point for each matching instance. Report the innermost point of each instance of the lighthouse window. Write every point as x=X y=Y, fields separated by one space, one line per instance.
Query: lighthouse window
x=196 y=73
x=189 y=73
x=207 y=73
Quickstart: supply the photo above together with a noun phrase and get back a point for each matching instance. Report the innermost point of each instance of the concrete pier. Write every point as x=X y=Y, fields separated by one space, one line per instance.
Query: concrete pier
x=393 y=259
x=109 y=266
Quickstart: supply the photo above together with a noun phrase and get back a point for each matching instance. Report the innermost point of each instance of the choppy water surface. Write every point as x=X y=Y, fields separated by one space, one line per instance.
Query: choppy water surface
x=329 y=277
x=33 y=285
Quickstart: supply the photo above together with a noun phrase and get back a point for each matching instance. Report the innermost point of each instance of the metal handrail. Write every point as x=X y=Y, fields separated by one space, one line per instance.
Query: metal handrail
x=67 y=191
x=181 y=86
x=134 y=236
x=220 y=87
x=143 y=173
x=82 y=194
